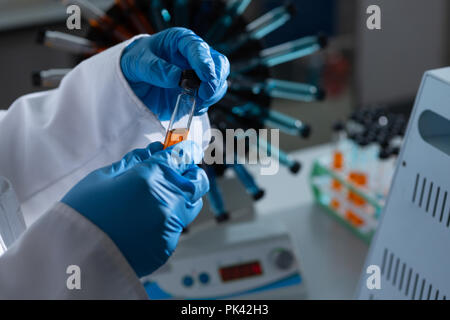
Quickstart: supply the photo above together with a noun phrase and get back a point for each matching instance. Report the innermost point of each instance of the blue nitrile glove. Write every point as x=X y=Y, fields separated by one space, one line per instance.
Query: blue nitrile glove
x=153 y=65
x=144 y=201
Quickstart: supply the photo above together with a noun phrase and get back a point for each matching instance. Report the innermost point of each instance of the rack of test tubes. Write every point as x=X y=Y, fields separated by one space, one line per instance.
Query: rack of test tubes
x=353 y=181
x=223 y=25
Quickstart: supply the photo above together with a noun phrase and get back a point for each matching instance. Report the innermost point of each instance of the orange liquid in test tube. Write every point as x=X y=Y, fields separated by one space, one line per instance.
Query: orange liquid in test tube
x=338 y=160
x=338 y=165
x=354 y=218
x=360 y=179
x=175 y=136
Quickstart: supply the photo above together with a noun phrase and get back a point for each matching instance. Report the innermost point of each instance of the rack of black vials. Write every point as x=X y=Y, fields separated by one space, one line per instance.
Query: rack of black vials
x=352 y=182
x=247 y=104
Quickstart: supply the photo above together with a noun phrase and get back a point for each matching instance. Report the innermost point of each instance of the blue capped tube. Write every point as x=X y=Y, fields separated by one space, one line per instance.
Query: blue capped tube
x=248 y=181
x=278 y=89
x=272 y=119
x=215 y=196
x=282 y=53
x=283 y=158
x=161 y=17
x=233 y=9
x=259 y=28
x=181 y=13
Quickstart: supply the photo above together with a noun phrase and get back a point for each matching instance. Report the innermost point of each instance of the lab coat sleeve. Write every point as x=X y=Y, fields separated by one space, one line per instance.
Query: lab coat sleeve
x=65 y=256
x=51 y=140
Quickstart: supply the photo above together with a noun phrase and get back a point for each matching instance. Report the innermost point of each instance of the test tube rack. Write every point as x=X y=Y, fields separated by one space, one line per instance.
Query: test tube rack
x=352 y=182
x=220 y=23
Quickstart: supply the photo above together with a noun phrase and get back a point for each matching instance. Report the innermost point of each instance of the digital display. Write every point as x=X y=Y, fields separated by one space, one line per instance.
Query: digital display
x=240 y=271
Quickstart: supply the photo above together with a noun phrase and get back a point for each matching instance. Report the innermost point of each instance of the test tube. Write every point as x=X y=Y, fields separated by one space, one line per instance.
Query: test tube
x=67 y=42
x=49 y=78
x=248 y=181
x=381 y=183
x=338 y=153
x=279 y=89
x=181 y=13
x=282 y=53
x=215 y=196
x=283 y=158
x=137 y=19
x=233 y=9
x=183 y=112
x=273 y=119
x=294 y=90
x=160 y=15
x=99 y=19
x=259 y=28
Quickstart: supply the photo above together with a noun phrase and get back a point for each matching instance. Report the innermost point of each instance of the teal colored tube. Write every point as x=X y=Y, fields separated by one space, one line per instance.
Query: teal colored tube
x=161 y=18
x=293 y=90
x=282 y=53
x=272 y=119
x=248 y=181
x=234 y=9
x=181 y=13
x=283 y=158
x=215 y=194
x=258 y=29
x=279 y=89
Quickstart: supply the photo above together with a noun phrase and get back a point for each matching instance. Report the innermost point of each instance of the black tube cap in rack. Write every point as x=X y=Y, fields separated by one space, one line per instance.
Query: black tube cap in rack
x=36 y=79
x=321 y=94
x=322 y=40
x=259 y=195
x=40 y=37
x=306 y=131
x=338 y=126
x=189 y=80
x=223 y=217
x=384 y=154
x=291 y=9
x=295 y=168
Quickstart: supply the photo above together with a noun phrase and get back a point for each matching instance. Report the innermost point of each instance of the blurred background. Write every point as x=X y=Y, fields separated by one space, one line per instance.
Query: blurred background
x=344 y=167
x=359 y=68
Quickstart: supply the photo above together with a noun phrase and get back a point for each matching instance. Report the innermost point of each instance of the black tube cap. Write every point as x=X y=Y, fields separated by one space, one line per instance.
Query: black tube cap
x=223 y=217
x=321 y=94
x=364 y=142
x=291 y=9
x=306 y=131
x=295 y=168
x=259 y=195
x=384 y=154
x=394 y=151
x=40 y=37
x=323 y=40
x=189 y=80
x=338 y=126
x=36 y=78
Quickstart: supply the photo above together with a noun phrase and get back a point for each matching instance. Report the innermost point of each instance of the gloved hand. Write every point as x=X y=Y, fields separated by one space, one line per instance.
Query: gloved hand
x=144 y=201
x=153 y=65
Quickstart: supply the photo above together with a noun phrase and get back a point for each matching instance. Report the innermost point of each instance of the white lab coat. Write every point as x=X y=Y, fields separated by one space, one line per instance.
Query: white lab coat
x=48 y=142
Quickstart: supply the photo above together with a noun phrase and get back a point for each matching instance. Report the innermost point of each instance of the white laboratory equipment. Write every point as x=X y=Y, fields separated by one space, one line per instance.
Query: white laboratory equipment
x=249 y=260
x=411 y=243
